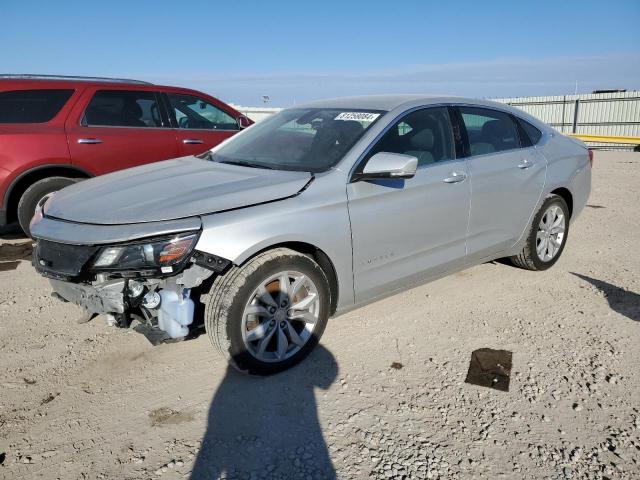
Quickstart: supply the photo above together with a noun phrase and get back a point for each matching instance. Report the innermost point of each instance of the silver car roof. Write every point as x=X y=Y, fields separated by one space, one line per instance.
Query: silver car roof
x=396 y=105
x=391 y=102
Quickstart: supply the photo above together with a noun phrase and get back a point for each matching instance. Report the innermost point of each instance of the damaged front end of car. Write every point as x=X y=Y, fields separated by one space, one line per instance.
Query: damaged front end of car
x=148 y=279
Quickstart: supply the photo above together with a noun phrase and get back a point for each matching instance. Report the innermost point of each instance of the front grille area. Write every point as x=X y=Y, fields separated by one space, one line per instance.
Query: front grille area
x=59 y=260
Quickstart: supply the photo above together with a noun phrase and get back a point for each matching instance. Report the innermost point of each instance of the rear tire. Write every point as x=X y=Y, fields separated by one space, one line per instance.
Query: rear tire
x=230 y=328
x=530 y=258
x=35 y=193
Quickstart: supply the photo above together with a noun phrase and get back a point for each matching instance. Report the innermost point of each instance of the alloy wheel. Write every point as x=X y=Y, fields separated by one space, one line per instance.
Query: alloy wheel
x=551 y=233
x=280 y=316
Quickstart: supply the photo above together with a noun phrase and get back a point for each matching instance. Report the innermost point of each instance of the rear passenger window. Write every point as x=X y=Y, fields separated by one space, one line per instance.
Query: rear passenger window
x=123 y=108
x=425 y=134
x=532 y=132
x=489 y=130
x=32 y=106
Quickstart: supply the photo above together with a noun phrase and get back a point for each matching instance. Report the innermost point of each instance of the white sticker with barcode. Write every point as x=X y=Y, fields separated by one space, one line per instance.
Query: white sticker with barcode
x=358 y=116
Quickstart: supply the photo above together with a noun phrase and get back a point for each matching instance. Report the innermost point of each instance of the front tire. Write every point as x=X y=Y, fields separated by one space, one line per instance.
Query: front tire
x=268 y=314
x=547 y=236
x=36 y=192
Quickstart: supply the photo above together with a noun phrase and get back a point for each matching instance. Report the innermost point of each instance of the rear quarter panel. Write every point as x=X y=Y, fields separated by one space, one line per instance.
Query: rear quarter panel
x=31 y=145
x=568 y=167
x=24 y=147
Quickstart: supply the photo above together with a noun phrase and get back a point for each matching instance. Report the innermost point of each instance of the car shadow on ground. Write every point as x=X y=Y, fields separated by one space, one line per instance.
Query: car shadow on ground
x=12 y=232
x=268 y=427
x=622 y=301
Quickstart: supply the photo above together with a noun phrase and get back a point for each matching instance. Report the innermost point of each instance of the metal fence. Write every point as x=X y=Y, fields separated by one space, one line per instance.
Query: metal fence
x=602 y=114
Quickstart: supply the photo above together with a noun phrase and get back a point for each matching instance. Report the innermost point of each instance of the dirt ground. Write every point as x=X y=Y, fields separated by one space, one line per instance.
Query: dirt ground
x=384 y=397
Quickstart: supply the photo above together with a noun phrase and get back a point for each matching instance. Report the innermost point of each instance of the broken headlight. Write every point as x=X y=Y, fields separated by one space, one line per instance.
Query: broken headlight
x=158 y=253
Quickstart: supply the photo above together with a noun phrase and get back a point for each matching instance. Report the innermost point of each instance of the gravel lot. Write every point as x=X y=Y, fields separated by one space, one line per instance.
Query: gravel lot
x=384 y=397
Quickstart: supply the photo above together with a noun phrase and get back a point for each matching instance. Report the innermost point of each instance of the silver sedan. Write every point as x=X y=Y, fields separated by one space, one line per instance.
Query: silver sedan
x=317 y=210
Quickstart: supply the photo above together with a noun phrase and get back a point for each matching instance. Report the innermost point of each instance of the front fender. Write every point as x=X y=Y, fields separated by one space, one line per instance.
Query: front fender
x=316 y=217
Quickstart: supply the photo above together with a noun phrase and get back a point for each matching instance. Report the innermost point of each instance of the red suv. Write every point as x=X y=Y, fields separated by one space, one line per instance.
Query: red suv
x=57 y=130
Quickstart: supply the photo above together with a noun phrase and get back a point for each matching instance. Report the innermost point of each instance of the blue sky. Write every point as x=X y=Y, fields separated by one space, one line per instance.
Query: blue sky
x=297 y=51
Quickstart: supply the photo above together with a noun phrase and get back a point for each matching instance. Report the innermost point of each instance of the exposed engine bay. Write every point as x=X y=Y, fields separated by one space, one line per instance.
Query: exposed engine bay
x=148 y=281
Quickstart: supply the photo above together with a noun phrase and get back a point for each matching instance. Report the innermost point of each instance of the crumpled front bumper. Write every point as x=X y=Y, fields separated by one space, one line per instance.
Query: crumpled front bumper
x=107 y=297
x=66 y=251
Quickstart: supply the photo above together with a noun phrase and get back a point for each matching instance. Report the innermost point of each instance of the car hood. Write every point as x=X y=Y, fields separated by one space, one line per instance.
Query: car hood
x=180 y=188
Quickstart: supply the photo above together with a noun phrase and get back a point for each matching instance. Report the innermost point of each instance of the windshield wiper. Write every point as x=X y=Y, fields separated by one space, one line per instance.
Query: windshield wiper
x=206 y=155
x=244 y=163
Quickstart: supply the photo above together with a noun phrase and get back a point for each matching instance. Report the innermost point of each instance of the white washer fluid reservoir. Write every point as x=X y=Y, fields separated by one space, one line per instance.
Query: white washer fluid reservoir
x=176 y=312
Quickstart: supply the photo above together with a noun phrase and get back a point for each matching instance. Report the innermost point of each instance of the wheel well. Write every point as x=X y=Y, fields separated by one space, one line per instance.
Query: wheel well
x=322 y=259
x=26 y=180
x=566 y=195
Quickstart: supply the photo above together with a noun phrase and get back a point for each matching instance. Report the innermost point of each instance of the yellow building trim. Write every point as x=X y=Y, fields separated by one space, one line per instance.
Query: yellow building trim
x=606 y=139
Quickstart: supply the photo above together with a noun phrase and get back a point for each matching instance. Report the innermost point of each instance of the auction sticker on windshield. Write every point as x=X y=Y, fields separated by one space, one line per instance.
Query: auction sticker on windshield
x=358 y=116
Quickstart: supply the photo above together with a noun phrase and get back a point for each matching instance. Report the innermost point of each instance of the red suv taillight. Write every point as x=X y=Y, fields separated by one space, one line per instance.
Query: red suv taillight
x=591 y=158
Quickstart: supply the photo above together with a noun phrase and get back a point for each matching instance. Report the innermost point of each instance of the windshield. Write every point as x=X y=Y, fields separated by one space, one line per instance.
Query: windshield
x=306 y=139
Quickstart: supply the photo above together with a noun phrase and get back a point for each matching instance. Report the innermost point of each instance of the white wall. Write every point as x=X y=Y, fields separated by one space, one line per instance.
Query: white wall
x=256 y=113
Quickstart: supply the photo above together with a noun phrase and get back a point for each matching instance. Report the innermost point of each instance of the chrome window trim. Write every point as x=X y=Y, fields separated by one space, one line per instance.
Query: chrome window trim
x=443 y=162
x=158 y=128
x=511 y=150
x=132 y=128
x=204 y=130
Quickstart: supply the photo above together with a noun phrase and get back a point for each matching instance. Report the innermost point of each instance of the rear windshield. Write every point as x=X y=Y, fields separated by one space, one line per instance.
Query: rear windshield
x=32 y=106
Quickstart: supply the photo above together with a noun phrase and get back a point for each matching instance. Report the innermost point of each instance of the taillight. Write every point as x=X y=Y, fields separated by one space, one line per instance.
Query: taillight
x=591 y=158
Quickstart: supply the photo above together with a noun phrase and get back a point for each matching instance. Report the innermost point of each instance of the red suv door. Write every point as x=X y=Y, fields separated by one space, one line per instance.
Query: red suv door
x=112 y=128
x=202 y=123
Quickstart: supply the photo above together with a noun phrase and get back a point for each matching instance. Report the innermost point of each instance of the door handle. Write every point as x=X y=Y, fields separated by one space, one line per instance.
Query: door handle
x=89 y=141
x=526 y=164
x=456 y=177
x=192 y=141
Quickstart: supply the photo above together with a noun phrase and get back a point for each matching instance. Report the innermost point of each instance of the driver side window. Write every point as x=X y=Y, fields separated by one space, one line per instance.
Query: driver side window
x=194 y=113
x=424 y=134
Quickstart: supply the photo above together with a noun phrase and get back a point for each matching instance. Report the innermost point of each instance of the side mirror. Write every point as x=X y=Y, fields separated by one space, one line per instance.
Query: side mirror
x=244 y=122
x=388 y=165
